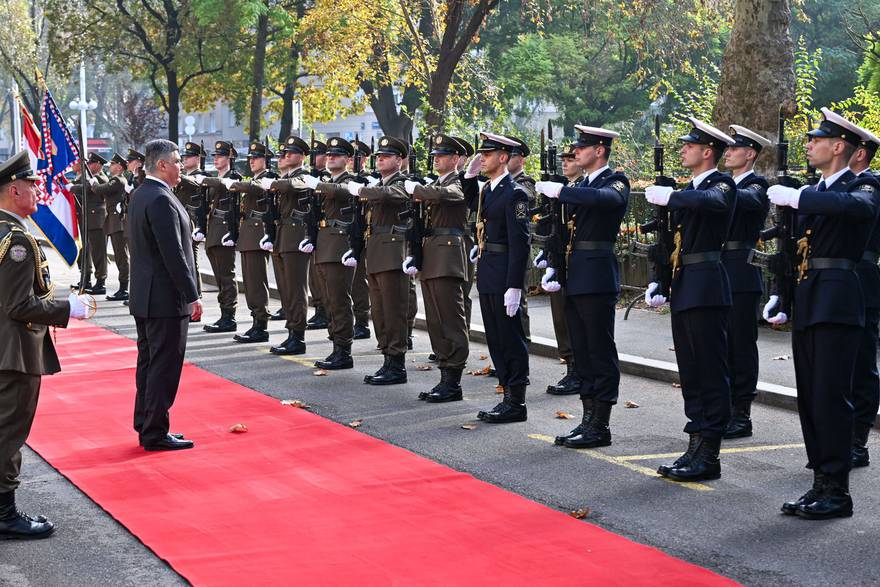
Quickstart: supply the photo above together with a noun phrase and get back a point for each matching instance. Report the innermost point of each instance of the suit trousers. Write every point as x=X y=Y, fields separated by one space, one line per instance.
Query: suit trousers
x=506 y=340
x=560 y=325
x=254 y=265
x=161 y=344
x=120 y=257
x=595 y=353
x=97 y=255
x=700 y=338
x=337 y=279
x=444 y=313
x=19 y=393
x=222 y=261
x=742 y=348
x=824 y=362
x=866 y=382
x=196 y=266
x=389 y=292
x=360 y=295
x=292 y=279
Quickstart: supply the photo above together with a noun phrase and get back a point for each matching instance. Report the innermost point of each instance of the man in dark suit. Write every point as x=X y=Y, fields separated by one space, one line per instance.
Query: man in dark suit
x=163 y=293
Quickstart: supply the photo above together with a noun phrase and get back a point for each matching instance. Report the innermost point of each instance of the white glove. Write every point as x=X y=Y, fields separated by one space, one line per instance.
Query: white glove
x=227 y=182
x=540 y=261
x=227 y=241
x=651 y=299
x=198 y=236
x=658 y=194
x=550 y=189
x=430 y=180
x=119 y=208
x=512 y=298
x=266 y=182
x=408 y=267
x=474 y=254
x=410 y=186
x=783 y=196
x=128 y=188
x=311 y=182
x=549 y=284
x=372 y=181
x=199 y=178
x=473 y=168
x=93 y=181
x=348 y=259
x=79 y=306
x=305 y=246
x=266 y=244
x=354 y=188
x=779 y=317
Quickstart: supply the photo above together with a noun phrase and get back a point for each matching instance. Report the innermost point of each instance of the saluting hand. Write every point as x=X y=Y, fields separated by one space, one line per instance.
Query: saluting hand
x=550 y=189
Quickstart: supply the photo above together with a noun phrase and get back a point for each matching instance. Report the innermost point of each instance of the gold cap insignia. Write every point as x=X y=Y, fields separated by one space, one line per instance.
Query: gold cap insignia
x=254 y=147
x=438 y=140
x=334 y=142
x=218 y=146
x=384 y=142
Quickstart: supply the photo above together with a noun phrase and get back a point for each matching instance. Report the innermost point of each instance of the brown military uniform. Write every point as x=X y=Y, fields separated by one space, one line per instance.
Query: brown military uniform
x=444 y=269
x=185 y=192
x=386 y=250
x=528 y=183
x=360 y=295
x=334 y=277
x=27 y=309
x=97 y=239
x=222 y=258
x=291 y=266
x=113 y=194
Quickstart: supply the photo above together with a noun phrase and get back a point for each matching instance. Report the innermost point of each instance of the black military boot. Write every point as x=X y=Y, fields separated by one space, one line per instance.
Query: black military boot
x=704 y=466
x=339 y=359
x=512 y=409
x=597 y=432
x=587 y=403
x=257 y=333
x=88 y=285
x=740 y=425
x=120 y=296
x=98 y=290
x=226 y=323
x=319 y=320
x=15 y=524
x=683 y=460
x=860 y=457
x=432 y=357
x=568 y=385
x=294 y=345
x=423 y=395
x=449 y=390
x=789 y=508
x=833 y=500
x=361 y=332
x=395 y=372
x=278 y=315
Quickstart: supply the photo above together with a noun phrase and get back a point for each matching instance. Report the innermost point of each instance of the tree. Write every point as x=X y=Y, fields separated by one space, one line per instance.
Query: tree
x=23 y=48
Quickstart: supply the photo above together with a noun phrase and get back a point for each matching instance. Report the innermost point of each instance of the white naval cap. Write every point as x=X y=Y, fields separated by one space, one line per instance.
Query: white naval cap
x=869 y=140
x=706 y=134
x=836 y=126
x=744 y=137
x=592 y=135
x=493 y=142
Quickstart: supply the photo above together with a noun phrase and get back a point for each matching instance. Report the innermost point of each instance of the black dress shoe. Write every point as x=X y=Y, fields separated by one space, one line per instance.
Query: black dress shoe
x=684 y=459
x=423 y=395
x=587 y=403
x=17 y=525
x=449 y=389
x=432 y=358
x=394 y=374
x=704 y=465
x=568 y=385
x=832 y=501
x=860 y=456
x=740 y=425
x=226 y=323
x=97 y=290
x=506 y=413
x=361 y=332
x=317 y=322
x=789 y=508
x=169 y=443
x=257 y=333
x=125 y=303
x=340 y=358
x=87 y=286
x=119 y=296
x=294 y=345
x=597 y=431
x=278 y=315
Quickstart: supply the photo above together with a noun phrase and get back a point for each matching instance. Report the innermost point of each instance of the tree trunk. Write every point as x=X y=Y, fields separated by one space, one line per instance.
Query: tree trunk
x=757 y=69
x=393 y=121
x=255 y=120
x=173 y=105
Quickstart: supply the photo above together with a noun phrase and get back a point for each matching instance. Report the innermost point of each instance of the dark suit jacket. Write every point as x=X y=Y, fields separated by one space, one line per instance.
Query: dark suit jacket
x=505 y=211
x=163 y=281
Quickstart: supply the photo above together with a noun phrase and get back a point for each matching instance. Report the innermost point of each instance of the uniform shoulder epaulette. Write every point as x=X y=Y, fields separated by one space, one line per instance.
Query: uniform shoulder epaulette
x=618 y=182
x=863 y=183
x=724 y=183
x=755 y=180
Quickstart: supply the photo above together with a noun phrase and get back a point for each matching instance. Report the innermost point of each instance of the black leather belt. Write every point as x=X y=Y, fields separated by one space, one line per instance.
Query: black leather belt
x=444 y=232
x=592 y=246
x=694 y=258
x=290 y=222
x=255 y=214
x=388 y=229
x=831 y=263
x=336 y=223
x=495 y=248
x=871 y=257
x=738 y=246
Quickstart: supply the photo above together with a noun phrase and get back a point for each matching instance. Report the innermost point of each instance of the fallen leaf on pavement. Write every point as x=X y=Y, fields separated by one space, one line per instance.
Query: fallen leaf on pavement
x=672 y=348
x=630 y=404
x=355 y=423
x=484 y=371
x=782 y=358
x=238 y=428
x=564 y=415
x=424 y=367
x=676 y=385
x=562 y=361
x=499 y=389
x=295 y=403
x=484 y=357
x=320 y=373
x=581 y=513
x=468 y=426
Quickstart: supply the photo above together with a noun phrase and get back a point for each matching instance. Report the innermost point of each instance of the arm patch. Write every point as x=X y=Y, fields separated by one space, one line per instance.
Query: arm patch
x=521 y=209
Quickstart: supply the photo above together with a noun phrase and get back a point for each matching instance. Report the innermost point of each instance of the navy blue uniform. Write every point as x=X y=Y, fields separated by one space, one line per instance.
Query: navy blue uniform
x=701 y=300
x=505 y=214
x=593 y=280
x=746 y=286
x=829 y=314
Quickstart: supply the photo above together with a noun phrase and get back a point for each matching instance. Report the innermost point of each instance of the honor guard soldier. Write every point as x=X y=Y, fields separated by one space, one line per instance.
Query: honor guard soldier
x=866 y=381
x=319 y=320
x=189 y=190
x=503 y=254
x=701 y=298
x=292 y=250
x=444 y=267
x=597 y=206
x=468 y=151
x=27 y=309
x=334 y=276
x=360 y=288
x=834 y=223
x=254 y=244
x=135 y=167
x=114 y=193
x=219 y=245
x=94 y=208
x=385 y=253
x=746 y=280
x=412 y=300
x=517 y=173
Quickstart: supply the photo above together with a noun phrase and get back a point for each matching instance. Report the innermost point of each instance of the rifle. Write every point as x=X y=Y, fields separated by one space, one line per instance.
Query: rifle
x=430 y=147
x=270 y=200
x=551 y=230
x=232 y=215
x=373 y=172
x=414 y=215
x=659 y=254
x=357 y=230
x=199 y=206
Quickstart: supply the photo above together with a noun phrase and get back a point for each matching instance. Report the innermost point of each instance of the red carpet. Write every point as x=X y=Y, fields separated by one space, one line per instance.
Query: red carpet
x=300 y=500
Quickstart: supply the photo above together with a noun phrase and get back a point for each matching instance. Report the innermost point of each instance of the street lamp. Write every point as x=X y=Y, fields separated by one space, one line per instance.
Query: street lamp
x=83 y=106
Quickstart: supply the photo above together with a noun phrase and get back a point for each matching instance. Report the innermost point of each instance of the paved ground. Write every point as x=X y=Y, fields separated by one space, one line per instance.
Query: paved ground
x=731 y=525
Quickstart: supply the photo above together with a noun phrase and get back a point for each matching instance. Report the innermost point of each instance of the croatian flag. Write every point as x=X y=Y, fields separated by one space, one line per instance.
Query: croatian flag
x=53 y=151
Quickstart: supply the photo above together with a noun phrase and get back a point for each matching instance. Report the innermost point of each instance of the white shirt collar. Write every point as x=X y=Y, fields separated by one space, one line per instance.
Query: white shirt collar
x=494 y=183
x=162 y=181
x=592 y=177
x=16 y=216
x=699 y=179
x=742 y=176
x=830 y=181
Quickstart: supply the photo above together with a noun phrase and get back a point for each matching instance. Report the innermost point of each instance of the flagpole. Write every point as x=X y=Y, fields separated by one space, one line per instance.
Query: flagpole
x=16 y=119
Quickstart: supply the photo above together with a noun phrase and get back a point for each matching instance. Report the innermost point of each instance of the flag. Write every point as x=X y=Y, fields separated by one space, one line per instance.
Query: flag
x=54 y=152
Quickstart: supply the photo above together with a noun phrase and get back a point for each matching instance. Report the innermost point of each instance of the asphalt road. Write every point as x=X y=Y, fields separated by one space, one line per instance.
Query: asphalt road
x=732 y=526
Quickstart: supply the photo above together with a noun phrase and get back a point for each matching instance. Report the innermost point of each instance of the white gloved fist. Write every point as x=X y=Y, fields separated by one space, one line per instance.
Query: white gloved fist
x=266 y=183
x=430 y=180
x=550 y=189
x=119 y=208
x=540 y=260
x=408 y=267
x=512 y=298
x=306 y=246
x=474 y=254
x=549 y=284
x=658 y=194
x=354 y=188
x=93 y=181
x=651 y=299
x=266 y=244
x=227 y=182
x=783 y=196
x=348 y=259
x=227 y=241
x=311 y=182
x=128 y=188
x=198 y=178
x=198 y=236
x=473 y=168
x=777 y=318
x=79 y=306
x=373 y=181
x=410 y=186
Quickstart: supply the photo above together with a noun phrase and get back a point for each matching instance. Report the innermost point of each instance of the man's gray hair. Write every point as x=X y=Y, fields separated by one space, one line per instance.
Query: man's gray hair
x=158 y=150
